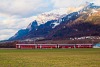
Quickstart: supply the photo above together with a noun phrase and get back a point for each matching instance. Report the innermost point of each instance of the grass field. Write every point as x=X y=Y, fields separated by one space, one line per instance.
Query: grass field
x=50 y=58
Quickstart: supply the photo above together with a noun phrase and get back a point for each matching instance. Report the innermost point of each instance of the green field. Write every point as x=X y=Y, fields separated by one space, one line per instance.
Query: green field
x=50 y=58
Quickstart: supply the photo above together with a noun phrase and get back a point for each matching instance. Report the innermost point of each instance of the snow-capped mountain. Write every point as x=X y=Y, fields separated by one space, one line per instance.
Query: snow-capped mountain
x=51 y=23
x=54 y=14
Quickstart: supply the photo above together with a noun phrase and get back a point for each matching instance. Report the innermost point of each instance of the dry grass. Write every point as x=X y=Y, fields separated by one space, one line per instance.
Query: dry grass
x=50 y=58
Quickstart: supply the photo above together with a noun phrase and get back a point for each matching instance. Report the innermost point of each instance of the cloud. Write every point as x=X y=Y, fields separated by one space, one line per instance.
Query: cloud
x=6 y=33
x=67 y=3
x=3 y=37
x=26 y=8
x=23 y=7
x=13 y=22
x=97 y=2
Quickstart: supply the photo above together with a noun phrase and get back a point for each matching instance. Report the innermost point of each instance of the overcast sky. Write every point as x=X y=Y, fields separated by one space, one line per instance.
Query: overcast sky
x=17 y=14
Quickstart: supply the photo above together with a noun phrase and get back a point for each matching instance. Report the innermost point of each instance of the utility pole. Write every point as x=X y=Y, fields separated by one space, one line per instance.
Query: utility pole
x=34 y=41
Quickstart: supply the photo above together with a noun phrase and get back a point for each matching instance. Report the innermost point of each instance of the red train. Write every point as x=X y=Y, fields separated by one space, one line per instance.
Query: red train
x=40 y=46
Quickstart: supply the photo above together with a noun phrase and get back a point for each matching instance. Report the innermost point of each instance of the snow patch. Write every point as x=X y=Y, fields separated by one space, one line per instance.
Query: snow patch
x=29 y=26
x=55 y=24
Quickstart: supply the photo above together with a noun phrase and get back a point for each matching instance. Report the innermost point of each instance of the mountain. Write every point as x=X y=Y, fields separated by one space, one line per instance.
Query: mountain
x=85 y=22
x=63 y=23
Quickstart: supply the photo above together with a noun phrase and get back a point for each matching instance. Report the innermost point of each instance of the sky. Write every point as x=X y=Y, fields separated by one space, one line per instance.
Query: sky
x=17 y=14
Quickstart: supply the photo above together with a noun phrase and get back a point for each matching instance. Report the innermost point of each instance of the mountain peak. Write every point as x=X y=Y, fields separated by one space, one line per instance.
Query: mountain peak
x=32 y=25
x=89 y=3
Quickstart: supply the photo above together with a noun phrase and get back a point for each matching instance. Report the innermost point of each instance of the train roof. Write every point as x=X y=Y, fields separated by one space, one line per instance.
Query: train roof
x=54 y=44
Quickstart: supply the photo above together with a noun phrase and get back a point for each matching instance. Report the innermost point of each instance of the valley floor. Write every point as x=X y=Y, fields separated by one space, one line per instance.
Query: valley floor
x=50 y=58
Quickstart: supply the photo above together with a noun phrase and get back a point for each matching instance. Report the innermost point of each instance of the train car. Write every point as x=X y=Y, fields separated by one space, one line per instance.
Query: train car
x=84 y=46
x=47 y=46
x=66 y=45
x=25 y=46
